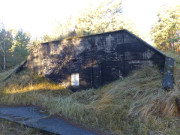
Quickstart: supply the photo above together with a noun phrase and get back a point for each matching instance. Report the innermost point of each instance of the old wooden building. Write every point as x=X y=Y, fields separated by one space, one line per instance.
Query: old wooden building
x=95 y=60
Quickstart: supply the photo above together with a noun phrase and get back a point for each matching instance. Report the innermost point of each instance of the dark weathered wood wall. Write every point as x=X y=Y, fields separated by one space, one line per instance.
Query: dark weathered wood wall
x=99 y=59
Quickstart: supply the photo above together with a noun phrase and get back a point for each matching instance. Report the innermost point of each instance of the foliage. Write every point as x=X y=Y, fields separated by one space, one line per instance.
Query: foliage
x=166 y=32
x=92 y=20
x=62 y=31
x=135 y=105
x=13 y=47
x=33 y=44
x=6 y=41
x=19 y=48
x=98 y=19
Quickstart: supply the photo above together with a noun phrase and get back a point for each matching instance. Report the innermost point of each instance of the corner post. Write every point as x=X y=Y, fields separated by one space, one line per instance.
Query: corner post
x=168 y=80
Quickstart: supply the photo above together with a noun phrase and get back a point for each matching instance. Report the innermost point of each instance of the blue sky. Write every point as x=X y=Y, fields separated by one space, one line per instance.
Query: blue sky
x=40 y=17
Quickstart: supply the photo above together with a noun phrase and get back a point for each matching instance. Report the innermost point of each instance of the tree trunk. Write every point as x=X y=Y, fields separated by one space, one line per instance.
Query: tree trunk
x=4 y=62
x=4 y=58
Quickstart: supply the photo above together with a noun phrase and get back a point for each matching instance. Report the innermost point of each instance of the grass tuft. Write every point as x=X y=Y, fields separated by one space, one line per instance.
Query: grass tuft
x=10 y=128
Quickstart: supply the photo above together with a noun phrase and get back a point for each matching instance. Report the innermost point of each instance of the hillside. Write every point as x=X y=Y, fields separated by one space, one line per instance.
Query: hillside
x=134 y=105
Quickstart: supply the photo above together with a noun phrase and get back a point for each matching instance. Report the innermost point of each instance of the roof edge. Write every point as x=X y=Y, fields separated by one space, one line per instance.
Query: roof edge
x=85 y=36
x=122 y=30
x=145 y=42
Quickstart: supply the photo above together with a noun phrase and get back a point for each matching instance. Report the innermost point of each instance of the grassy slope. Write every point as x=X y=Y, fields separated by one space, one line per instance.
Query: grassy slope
x=135 y=105
x=9 y=128
x=3 y=75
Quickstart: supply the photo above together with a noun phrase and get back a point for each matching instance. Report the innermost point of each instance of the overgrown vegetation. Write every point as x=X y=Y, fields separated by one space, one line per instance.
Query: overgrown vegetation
x=10 y=128
x=135 y=105
x=13 y=47
x=166 y=31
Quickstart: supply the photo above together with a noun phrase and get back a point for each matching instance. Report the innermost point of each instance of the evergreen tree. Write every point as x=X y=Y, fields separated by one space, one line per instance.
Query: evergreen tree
x=19 y=48
x=13 y=47
x=6 y=42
